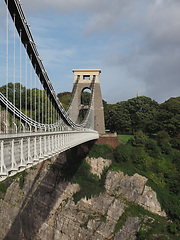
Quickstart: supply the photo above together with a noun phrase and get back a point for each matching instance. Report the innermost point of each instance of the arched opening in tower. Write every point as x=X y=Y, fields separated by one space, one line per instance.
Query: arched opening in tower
x=85 y=103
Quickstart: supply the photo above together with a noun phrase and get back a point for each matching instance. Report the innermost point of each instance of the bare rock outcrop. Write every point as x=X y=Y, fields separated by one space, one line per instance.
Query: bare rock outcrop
x=129 y=229
x=133 y=188
x=148 y=200
x=97 y=165
x=44 y=208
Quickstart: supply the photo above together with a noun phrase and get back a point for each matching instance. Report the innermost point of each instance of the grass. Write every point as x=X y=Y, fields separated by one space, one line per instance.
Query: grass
x=102 y=150
x=124 y=138
x=125 y=167
x=77 y=170
x=3 y=189
x=90 y=184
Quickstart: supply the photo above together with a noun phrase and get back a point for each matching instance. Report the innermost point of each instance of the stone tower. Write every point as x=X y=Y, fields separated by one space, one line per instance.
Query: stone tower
x=85 y=82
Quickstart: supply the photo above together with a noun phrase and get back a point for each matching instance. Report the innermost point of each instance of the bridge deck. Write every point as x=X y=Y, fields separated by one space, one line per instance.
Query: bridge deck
x=21 y=151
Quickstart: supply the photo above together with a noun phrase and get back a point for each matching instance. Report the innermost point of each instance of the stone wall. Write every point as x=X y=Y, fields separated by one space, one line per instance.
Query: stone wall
x=110 y=139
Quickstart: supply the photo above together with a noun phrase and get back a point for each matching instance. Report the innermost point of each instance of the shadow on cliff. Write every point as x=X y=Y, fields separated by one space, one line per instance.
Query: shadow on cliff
x=37 y=205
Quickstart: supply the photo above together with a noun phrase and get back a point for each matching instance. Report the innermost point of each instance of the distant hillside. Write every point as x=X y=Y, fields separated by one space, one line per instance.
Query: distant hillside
x=65 y=99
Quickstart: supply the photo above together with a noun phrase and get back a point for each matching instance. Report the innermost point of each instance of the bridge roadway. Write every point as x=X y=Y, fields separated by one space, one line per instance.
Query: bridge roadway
x=23 y=150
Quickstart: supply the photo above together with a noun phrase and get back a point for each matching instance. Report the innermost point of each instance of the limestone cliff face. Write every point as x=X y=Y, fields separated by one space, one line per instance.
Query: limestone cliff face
x=133 y=189
x=44 y=207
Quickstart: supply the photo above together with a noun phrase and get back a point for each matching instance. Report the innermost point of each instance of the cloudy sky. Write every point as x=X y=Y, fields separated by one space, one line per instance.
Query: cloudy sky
x=136 y=44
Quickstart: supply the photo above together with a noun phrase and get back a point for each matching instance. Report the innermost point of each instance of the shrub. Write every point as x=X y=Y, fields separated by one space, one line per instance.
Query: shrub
x=162 y=136
x=173 y=228
x=169 y=202
x=139 y=139
x=141 y=235
x=152 y=148
x=165 y=147
x=122 y=153
x=176 y=158
x=175 y=142
x=138 y=155
x=102 y=150
x=3 y=187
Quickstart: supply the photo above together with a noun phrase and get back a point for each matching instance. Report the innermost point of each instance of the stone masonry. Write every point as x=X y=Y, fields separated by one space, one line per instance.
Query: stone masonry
x=85 y=82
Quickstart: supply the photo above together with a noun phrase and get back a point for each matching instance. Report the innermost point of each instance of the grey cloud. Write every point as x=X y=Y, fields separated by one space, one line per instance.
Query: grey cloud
x=154 y=56
x=103 y=14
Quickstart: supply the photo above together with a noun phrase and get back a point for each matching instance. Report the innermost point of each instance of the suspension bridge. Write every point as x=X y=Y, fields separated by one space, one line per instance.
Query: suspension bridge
x=34 y=125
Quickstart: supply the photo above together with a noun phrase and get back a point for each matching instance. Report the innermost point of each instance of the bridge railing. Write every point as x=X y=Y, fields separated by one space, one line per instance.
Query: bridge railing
x=18 y=152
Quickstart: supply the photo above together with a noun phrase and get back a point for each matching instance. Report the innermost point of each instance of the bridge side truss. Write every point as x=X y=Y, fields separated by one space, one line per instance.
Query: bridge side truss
x=21 y=152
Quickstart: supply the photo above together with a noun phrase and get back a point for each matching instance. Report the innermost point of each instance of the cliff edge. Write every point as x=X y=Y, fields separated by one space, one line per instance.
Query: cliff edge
x=44 y=207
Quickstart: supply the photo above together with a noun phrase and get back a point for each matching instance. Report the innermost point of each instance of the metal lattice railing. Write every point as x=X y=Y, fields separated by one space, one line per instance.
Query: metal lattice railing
x=20 y=152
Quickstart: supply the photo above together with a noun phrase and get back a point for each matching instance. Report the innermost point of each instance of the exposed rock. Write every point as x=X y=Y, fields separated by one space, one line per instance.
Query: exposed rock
x=149 y=201
x=133 y=188
x=98 y=165
x=130 y=187
x=44 y=207
x=116 y=210
x=99 y=204
x=128 y=232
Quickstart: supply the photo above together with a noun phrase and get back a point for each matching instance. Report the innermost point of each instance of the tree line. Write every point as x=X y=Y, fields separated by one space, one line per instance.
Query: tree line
x=34 y=101
x=143 y=113
x=139 y=113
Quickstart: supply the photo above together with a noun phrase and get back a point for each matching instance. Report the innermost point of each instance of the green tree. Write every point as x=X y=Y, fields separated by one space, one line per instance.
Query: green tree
x=85 y=98
x=132 y=115
x=118 y=118
x=142 y=110
x=152 y=148
x=140 y=139
x=168 y=117
x=65 y=99
x=123 y=153
x=175 y=142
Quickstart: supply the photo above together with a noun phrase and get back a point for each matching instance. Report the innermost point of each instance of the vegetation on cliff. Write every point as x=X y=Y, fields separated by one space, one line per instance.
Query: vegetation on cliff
x=153 y=152
x=159 y=162
x=77 y=170
x=147 y=157
x=153 y=158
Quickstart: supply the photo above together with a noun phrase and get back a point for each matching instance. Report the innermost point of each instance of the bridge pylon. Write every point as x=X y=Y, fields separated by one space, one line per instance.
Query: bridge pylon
x=85 y=81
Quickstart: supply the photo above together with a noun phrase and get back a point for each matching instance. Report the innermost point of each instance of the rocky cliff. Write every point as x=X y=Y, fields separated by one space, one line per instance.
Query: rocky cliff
x=43 y=208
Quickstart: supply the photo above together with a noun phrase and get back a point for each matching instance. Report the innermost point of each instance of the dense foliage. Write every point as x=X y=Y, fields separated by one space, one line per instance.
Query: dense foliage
x=31 y=96
x=145 y=156
x=143 y=113
x=159 y=162
x=139 y=113
x=65 y=99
